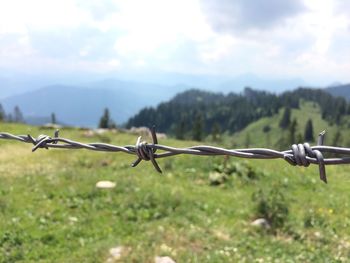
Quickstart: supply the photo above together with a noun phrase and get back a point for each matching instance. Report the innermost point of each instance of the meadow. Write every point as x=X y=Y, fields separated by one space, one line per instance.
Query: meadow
x=199 y=210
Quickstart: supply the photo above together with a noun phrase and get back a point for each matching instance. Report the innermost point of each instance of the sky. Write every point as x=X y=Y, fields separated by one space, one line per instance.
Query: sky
x=305 y=39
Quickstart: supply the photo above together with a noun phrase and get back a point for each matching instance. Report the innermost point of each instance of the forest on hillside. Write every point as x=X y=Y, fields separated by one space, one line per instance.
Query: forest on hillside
x=195 y=113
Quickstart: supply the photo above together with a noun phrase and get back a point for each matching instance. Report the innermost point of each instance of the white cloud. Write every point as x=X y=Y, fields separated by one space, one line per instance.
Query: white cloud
x=286 y=39
x=155 y=24
x=115 y=63
x=242 y=15
x=217 y=49
x=18 y=16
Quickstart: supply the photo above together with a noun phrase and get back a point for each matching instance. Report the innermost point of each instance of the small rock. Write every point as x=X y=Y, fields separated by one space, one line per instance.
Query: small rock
x=89 y=133
x=261 y=222
x=216 y=178
x=221 y=235
x=73 y=219
x=116 y=252
x=318 y=235
x=100 y=131
x=105 y=184
x=51 y=126
x=164 y=260
x=142 y=131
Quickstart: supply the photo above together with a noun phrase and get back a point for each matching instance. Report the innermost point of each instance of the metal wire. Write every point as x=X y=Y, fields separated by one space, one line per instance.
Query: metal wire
x=299 y=154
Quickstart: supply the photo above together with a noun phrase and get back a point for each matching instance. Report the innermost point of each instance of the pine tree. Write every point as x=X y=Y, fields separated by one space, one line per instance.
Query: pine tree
x=247 y=140
x=9 y=117
x=285 y=121
x=292 y=131
x=215 y=131
x=180 y=129
x=299 y=137
x=53 y=118
x=18 y=116
x=337 y=139
x=2 y=113
x=105 y=120
x=309 y=131
x=267 y=128
x=197 y=130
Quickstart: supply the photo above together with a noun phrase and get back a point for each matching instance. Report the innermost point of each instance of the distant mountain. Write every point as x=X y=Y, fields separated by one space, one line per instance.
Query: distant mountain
x=238 y=83
x=15 y=83
x=222 y=83
x=83 y=106
x=340 y=91
x=9 y=87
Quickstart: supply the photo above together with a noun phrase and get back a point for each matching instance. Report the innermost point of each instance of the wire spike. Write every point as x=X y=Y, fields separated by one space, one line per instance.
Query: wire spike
x=321 y=137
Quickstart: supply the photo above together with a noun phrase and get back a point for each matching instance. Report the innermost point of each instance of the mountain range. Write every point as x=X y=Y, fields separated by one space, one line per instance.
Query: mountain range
x=16 y=83
x=83 y=104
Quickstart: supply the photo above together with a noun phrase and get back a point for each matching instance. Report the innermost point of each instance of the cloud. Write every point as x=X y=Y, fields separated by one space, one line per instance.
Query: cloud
x=14 y=46
x=232 y=16
x=99 y=10
x=342 y=7
x=19 y=16
x=289 y=38
x=82 y=42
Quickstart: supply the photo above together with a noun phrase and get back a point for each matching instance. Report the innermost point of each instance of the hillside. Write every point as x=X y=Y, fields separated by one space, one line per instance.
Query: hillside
x=232 y=111
x=199 y=210
x=257 y=134
x=196 y=114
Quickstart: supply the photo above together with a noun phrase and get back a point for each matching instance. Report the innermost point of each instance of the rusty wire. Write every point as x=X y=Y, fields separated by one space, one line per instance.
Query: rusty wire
x=299 y=154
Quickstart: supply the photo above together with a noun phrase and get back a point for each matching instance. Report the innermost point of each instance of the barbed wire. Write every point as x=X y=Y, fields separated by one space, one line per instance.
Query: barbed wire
x=298 y=155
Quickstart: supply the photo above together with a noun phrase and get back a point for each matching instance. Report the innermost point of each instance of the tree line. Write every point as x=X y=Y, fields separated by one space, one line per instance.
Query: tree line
x=15 y=116
x=194 y=114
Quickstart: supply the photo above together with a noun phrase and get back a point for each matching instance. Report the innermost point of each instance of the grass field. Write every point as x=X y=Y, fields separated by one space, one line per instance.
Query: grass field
x=51 y=211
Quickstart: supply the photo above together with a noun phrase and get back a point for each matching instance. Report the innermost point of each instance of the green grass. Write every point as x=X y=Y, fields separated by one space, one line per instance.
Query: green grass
x=51 y=211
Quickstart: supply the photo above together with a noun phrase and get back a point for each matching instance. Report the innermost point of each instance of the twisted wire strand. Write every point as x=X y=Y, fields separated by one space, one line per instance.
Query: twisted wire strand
x=298 y=155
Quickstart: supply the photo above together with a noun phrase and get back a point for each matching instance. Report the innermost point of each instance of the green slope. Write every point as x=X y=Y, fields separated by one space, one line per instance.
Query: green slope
x=259 y=138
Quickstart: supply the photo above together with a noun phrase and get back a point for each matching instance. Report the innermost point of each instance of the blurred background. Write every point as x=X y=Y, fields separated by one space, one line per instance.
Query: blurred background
x=237 y=73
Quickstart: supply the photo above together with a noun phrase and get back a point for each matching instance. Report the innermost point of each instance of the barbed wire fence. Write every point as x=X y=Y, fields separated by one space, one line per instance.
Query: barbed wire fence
x=298 y=155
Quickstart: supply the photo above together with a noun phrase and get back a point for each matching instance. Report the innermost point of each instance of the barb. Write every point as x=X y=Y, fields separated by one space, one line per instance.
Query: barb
x=299 y=154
